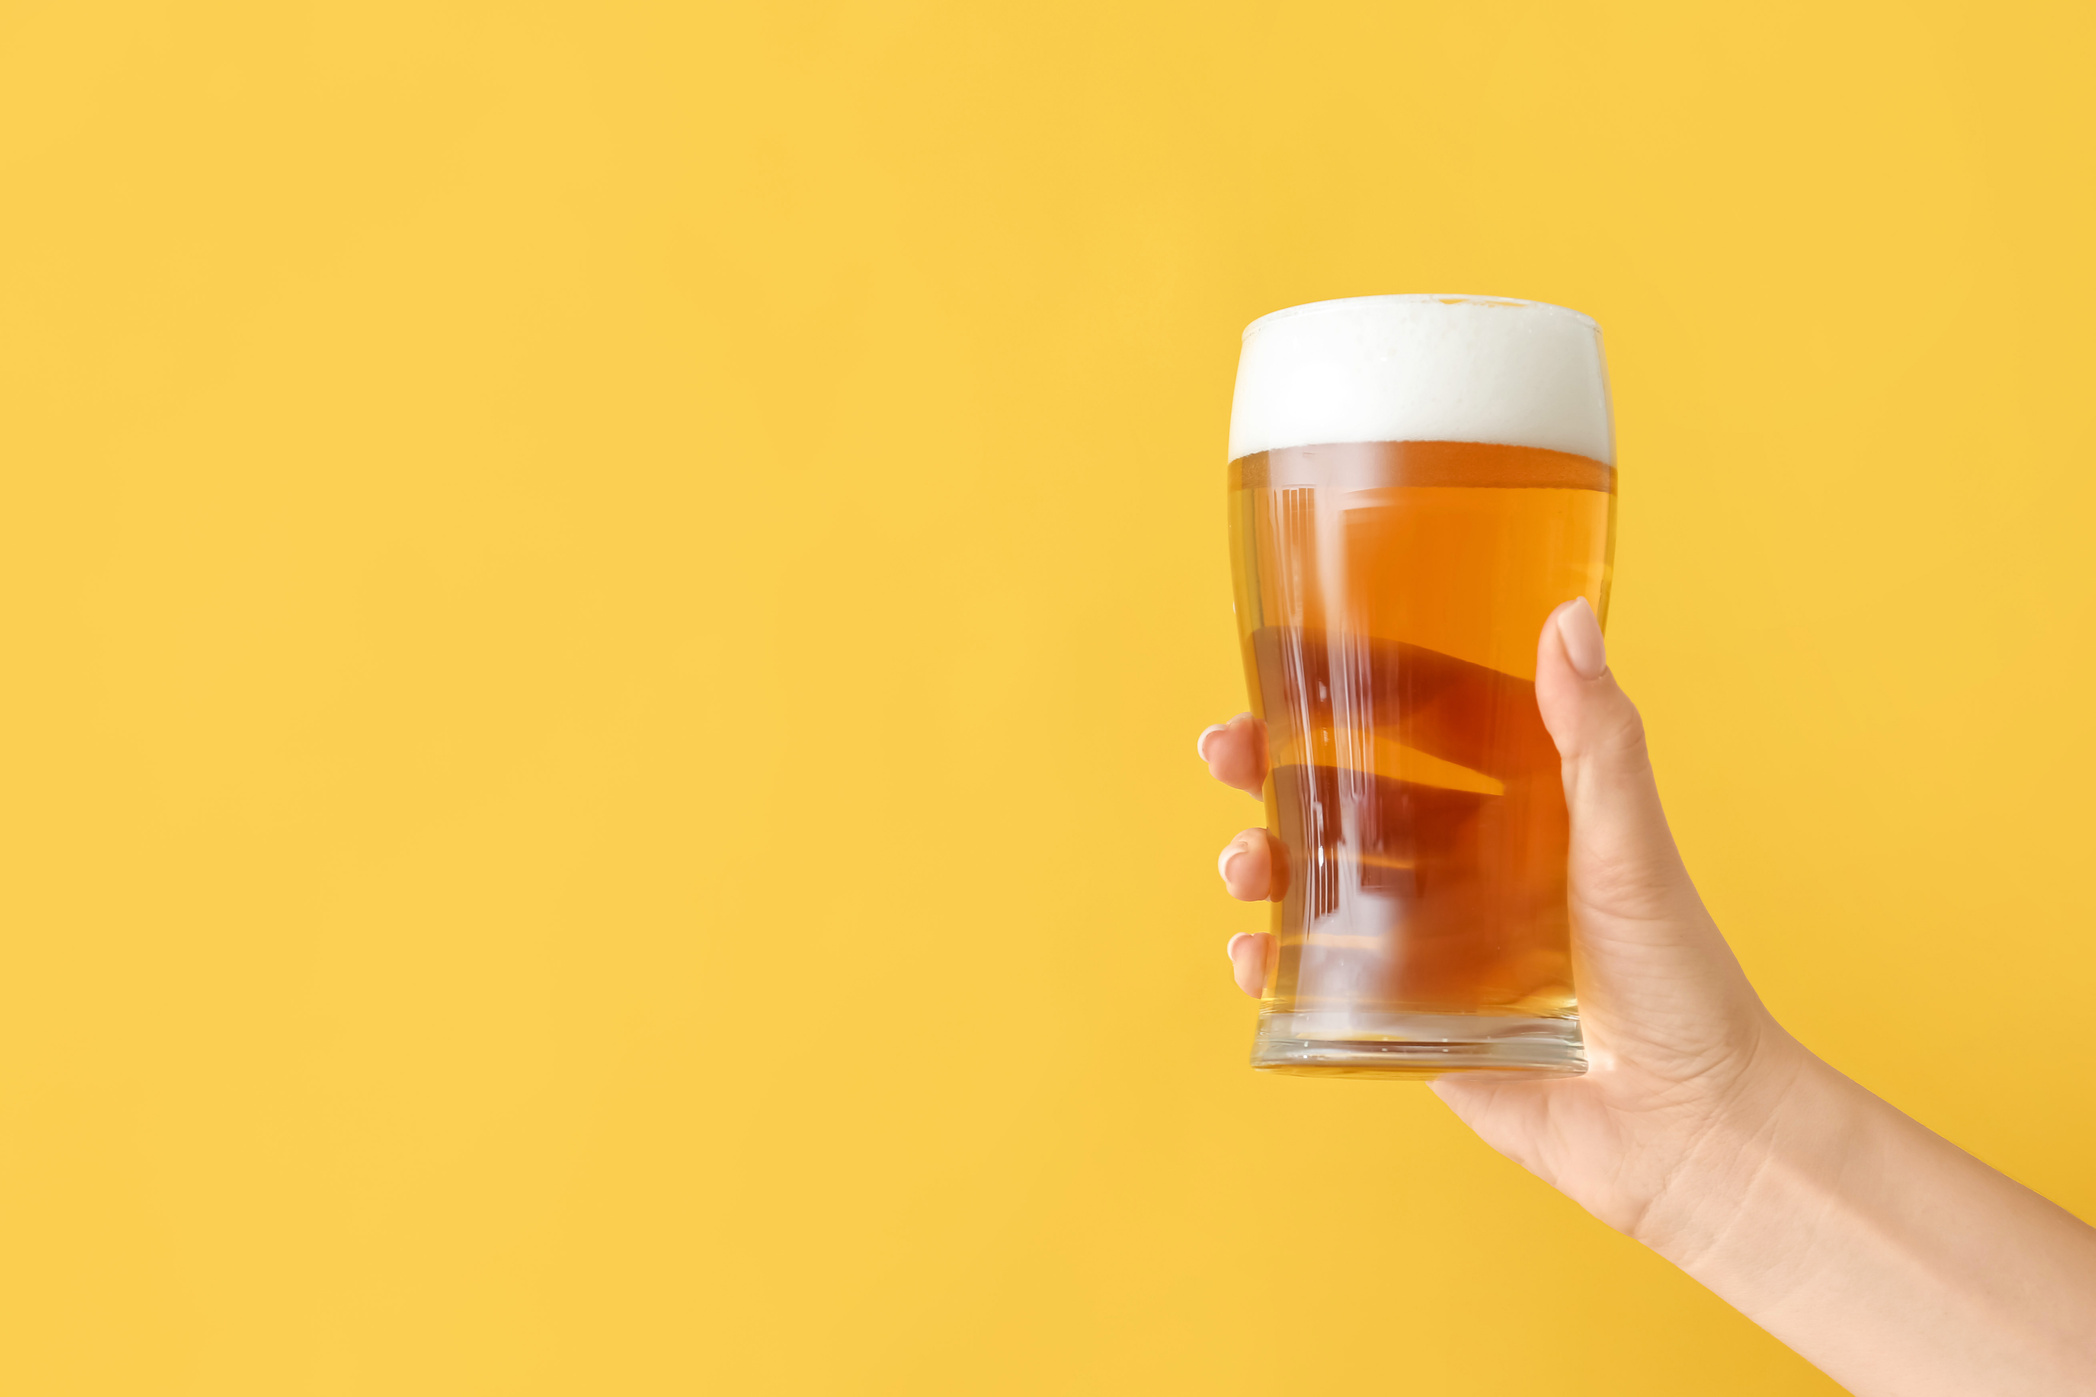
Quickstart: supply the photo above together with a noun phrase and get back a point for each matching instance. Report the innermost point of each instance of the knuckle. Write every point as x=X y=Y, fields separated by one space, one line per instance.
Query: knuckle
x=1625 y=733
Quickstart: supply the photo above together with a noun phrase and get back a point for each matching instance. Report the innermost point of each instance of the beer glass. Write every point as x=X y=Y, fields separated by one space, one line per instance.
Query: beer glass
x=1416 y=482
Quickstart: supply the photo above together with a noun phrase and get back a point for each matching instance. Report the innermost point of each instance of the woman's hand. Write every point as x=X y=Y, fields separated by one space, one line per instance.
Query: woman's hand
x=1898 y=1263
x=1677 y=1042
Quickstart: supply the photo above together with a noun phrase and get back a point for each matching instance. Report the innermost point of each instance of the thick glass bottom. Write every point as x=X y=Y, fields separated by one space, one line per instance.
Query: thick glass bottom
x=1417 y=1046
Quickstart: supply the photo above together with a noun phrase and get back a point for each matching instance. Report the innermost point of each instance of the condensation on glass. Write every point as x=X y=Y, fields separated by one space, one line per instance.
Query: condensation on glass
x=1415 y=483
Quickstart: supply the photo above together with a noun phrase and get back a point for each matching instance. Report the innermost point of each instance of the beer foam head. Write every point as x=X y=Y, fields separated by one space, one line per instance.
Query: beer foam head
x=1423 y=368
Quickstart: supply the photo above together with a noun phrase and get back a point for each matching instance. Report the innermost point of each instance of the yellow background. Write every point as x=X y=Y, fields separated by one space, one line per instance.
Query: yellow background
x=605 y=607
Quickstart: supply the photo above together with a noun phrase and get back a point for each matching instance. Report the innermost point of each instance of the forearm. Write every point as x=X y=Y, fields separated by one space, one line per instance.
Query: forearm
x=1891 y=1259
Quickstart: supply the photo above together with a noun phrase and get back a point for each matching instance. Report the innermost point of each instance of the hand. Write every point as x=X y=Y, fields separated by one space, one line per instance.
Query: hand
x=1896 y=1262
x=1676 y=1039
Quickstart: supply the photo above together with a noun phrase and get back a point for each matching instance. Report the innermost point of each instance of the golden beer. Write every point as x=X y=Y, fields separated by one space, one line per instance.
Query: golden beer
x=1390 y=594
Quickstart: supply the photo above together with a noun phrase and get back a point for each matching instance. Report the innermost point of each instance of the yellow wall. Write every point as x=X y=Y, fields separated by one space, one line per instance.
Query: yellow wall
x=606 y=605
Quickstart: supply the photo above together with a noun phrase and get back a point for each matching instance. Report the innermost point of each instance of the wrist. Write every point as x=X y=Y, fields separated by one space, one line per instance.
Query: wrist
x=1771 y=1128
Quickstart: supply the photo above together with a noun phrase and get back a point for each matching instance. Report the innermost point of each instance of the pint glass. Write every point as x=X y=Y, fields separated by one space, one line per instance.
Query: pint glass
x=1415 y=483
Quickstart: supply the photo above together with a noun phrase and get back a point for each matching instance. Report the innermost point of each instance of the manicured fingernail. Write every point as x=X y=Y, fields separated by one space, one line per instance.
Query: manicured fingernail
x=1231 y=949
x=1201 y=746
x=1234 y=851
x=1581 y=633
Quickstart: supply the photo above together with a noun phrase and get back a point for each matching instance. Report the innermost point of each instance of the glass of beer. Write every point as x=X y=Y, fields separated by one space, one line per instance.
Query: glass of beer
x=1416 y=482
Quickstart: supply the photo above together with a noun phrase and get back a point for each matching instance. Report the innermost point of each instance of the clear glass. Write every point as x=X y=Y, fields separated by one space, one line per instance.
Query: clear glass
x=1389 y=598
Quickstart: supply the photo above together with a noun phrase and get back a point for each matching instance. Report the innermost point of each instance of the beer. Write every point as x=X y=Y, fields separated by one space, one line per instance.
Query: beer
x=1390 y=592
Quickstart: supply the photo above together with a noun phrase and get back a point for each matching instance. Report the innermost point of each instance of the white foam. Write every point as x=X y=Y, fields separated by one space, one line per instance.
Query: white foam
x=1423 y=368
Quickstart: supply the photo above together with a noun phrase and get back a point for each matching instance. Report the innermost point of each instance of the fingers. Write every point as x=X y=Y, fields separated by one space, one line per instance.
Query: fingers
x=1249 y=953
x=1236 y=753
x=1623 y=855
x=1247 y=866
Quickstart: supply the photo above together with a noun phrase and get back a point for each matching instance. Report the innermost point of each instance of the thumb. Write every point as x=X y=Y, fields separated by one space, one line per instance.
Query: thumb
x=1624 y=863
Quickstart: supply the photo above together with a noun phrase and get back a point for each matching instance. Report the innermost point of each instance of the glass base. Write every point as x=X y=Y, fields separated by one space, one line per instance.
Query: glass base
x=1417 y=1046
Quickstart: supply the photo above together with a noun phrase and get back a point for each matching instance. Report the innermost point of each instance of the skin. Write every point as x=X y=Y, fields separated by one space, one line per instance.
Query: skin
x=1885 y=1255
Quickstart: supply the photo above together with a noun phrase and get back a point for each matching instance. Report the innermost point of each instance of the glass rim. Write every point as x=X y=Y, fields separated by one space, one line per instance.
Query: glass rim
x=1447 y=297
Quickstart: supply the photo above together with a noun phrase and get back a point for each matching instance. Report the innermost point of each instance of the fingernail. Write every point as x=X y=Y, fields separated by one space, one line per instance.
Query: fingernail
x=1581 y=633
x=1231 y=949
x=1233 y=851
x=1201 y=745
